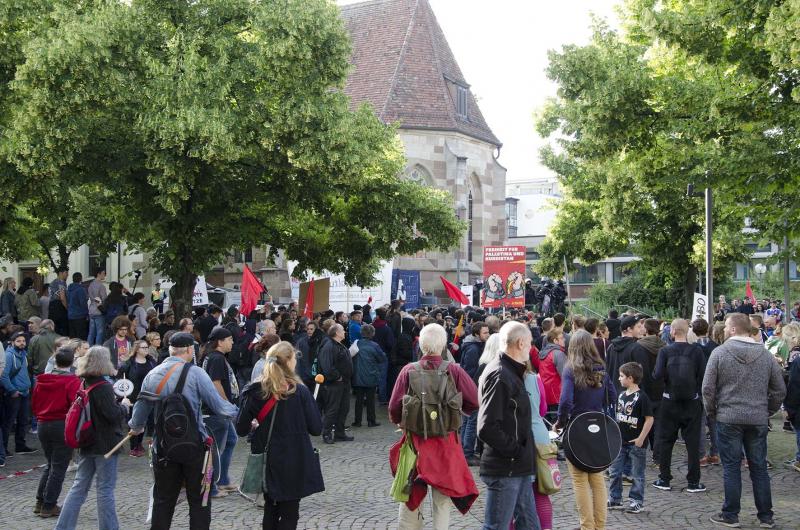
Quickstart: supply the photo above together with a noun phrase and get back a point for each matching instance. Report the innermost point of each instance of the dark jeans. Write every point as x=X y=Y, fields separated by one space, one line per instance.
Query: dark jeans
x=170 y=477
x=280 y=515
x=337 y=405
x=78 y=328
x=364 y=396
x=15 y=409
x=686 y=417
x=652 y=436
x=58 y=455
x=731 y=440
x=469 y=433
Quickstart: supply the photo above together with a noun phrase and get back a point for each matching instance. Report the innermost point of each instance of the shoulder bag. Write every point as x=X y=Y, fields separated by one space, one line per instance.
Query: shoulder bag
x=254 y=476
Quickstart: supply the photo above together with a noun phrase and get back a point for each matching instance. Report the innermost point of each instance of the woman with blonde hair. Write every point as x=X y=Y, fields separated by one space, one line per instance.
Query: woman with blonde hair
x=282 y=414
x=108 y=419
x=585 y=387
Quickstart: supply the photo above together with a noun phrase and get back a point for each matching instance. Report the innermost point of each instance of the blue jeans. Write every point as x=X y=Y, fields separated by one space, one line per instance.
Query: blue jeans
x=636 y=457
x=97 y=324
x=217 y=427
x=510 y=498
x=469 y=434
x=227 y=455
x=106 y=471
x=731 y=439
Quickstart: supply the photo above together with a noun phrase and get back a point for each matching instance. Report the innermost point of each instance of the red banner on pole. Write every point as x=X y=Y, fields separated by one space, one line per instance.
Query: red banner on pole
x=503 y=277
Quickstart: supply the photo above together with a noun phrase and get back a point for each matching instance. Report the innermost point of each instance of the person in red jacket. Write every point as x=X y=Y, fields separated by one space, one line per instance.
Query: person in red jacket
x=550 y=364
x=52 y=397
x=440 y=460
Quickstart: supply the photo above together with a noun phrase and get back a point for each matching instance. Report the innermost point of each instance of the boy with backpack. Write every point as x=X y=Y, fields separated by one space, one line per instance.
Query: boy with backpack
x=635 y=419
x=681 y=366
x=428 y=400
x=177 y=389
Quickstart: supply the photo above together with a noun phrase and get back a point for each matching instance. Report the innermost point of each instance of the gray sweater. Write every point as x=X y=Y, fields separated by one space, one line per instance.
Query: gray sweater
x=743 y=384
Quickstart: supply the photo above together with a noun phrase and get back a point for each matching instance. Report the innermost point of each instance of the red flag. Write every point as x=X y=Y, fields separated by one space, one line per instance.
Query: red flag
x=369 y=300
x=308 y=309
x=748 y=292
x=454 y=292
x=251 y=292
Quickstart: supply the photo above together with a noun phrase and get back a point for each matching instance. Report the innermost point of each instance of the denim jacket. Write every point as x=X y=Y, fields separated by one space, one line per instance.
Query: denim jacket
x=198 y=390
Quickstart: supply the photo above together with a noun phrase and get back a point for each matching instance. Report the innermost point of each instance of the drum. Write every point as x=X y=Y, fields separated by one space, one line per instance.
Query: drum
x=592 y=441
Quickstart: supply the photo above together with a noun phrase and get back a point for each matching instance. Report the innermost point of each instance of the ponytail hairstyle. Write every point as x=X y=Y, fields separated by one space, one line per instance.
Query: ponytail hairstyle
x=278 y=379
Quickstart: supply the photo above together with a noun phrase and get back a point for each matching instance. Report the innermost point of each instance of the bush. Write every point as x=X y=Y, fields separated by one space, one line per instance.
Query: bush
x=632 y=292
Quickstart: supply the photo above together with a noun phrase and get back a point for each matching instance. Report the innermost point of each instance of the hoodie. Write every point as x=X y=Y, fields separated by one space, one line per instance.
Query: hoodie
x=15 y=376
x=53 y=395
x=471 y=352
x=653 y=388
x=625 y=350
x=743 y=383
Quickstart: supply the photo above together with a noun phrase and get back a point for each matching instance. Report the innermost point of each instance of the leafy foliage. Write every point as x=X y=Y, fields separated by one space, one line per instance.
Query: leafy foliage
x=208 y=126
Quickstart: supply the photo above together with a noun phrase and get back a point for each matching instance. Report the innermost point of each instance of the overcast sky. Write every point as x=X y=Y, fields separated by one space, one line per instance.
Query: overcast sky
x=501 y=47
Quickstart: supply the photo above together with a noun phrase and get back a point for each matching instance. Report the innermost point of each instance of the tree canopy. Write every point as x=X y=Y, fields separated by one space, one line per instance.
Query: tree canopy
x=202 y=127
x=689 y=92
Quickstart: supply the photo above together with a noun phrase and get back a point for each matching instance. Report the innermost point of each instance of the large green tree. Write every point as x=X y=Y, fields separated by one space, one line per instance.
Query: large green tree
x=696 y=92
x=220 y=124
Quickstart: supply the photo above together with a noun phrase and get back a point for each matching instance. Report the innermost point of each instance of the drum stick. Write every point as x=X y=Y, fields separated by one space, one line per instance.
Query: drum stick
x=319 y=379
x=118 y=446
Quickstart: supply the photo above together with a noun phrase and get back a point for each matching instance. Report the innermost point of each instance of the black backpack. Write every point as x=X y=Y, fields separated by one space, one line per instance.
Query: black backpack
x=682 y=375
x=177 y=434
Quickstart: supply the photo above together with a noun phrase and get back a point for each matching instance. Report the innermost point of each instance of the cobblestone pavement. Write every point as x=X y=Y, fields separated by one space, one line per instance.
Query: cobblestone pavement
x=357 y=479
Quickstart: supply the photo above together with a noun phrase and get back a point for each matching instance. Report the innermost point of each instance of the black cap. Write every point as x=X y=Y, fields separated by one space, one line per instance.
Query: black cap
x=181 y=340
x=219 y=333
x=214 y=308
x=628 y=322
x=14 y=336
x=233 y=310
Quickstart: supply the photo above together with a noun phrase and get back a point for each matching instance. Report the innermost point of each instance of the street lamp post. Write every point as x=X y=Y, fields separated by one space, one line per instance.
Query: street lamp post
x=459 y=209
x=760 y=269
x=709 y=205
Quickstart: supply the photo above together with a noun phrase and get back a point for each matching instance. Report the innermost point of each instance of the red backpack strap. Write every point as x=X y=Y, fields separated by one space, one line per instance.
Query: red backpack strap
x=268 y=406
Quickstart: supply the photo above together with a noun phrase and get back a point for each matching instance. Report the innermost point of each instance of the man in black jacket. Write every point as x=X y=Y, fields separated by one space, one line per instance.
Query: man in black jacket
x=206 y=323
x=508 y=463
x=682 y=366
x=613 y=324
x=625 y=349
x=336 y=365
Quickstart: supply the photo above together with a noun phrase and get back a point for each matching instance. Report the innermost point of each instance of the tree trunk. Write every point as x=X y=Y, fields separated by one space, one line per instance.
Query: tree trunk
x=63 y=255
x=181 y=294
x=689 y=288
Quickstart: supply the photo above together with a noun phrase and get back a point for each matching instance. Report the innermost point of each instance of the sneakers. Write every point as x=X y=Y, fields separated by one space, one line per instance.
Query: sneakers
x=328 y=438
x=615 y=505
x=374 y=424
x=634 y=507
x=355 y=424
x=220 y=494
x=766 y=523
x=25 y=450
x=2 y=463
x=343 y=438
x=662 y=485
x=795 y=465
x=705 y=461
x=696 y=488
x=55 y=511
x=723 y=520
x=627 y=480
x=228 y=487
x=137 y=453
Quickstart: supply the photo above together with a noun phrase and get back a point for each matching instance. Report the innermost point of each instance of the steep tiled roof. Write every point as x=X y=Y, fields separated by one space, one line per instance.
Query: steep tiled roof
x=404 y=67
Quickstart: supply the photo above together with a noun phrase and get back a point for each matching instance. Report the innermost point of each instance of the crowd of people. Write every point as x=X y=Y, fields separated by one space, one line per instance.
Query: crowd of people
x=468 y=389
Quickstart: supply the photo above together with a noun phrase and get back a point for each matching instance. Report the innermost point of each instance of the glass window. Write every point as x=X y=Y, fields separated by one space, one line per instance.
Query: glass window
x=621 y=270
x=461 y=101
x=585 y=274
x=511 y=217
x=242 y=256
x=97 y=262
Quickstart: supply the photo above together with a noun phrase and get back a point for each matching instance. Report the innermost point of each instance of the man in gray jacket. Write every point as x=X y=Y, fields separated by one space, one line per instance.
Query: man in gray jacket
x=742 y=388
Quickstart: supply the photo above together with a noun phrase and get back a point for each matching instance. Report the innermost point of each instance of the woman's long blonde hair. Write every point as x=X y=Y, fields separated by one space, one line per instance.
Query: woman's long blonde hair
x=277 y=379
x=583 y=358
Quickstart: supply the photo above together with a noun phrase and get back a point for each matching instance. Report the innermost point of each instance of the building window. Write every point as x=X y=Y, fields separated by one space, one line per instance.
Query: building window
x=511 y=216
x=419 y=175
x=97 y=262
x=585 y=274
x=622 y=270
x=242 y=256
x=461 y=101
x=469 y=226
